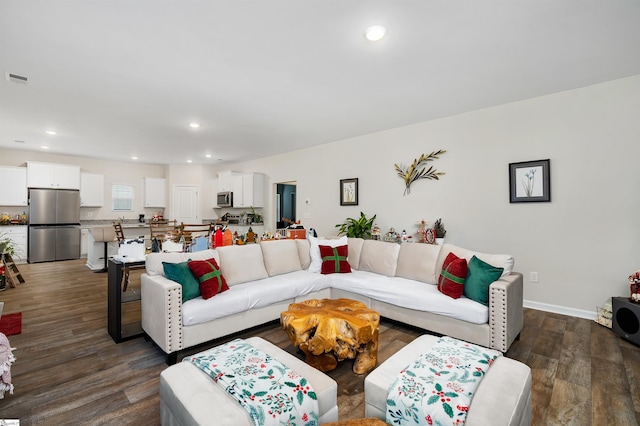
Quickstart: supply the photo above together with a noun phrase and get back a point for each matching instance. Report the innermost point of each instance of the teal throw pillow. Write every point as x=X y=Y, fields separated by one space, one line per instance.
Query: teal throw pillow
x=180 y=273
x=479 y=278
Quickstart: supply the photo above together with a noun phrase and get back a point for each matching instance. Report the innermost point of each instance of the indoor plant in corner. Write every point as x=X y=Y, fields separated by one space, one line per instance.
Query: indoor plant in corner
x=6 y=244
x=357 y=228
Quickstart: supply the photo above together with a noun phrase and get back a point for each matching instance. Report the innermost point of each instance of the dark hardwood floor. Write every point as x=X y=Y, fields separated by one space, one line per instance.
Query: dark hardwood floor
x=69 y=371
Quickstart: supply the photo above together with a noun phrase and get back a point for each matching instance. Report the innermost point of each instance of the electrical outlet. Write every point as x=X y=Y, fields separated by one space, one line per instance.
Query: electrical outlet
x=533 y=277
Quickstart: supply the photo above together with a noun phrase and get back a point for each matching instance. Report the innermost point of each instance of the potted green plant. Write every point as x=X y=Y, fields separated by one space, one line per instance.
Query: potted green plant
x=6 y=244
x=257 y=217
x=357 y=228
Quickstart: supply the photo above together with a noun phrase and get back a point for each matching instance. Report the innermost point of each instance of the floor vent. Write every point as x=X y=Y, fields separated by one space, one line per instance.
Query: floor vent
x=16 y=78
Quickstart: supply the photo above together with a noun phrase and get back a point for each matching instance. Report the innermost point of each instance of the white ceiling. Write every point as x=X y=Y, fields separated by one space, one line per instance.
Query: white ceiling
x=125 y=77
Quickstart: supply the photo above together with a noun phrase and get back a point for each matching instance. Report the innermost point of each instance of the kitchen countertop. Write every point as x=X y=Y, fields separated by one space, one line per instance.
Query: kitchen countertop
x=100 y=223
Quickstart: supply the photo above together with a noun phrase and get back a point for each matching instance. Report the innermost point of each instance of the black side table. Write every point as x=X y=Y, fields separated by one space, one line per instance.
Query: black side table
x=116 y=298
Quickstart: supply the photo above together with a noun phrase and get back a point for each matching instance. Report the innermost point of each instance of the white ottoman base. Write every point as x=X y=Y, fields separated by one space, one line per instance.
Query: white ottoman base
x=188 y=396
x=503 y=397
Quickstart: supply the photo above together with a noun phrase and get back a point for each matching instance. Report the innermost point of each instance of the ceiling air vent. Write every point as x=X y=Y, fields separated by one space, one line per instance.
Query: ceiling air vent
x=16 y=78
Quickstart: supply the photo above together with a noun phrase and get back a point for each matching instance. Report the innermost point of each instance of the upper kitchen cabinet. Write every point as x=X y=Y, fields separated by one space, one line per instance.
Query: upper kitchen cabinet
x=248 y=190
x=49 y=175
x=91 y=190
x=225 y=180
x=13 y=186
x=155 y=192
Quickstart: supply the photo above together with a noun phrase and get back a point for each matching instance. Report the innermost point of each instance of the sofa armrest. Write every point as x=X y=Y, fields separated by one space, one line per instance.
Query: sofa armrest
x=505 y=310
x=161 y=306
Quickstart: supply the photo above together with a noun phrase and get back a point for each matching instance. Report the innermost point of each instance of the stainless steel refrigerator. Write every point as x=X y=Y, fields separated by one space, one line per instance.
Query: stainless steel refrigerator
x=54 y=225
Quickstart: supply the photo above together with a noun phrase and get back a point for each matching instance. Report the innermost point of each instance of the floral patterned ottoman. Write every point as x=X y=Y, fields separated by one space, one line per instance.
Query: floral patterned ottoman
x=502 y=398
x=188 y=396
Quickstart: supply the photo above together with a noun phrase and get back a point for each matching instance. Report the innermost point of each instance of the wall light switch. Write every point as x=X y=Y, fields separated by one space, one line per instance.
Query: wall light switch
x=533 y=277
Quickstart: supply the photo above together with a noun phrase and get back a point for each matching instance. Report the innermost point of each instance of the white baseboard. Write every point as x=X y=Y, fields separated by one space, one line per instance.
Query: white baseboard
x=557 y=309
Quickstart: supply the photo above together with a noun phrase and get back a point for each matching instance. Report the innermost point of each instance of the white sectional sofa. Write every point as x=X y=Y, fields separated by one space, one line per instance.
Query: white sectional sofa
x=399 y=281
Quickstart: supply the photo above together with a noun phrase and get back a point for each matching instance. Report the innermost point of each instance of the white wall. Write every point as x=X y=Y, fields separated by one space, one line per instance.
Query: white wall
x=583 y=244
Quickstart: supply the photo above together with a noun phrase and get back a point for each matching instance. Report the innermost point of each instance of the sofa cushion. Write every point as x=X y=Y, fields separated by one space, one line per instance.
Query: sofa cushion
x=208 y=274
x=240 y=264
x=334 y=260
x=418 y=262
x=480 y=276
x=355 y=249
x=180 y=273
x=280 y=256
x=452 y=277
x=303 y=252
x=498 y=260
x=379 y=257
x=153 y=263
x=314 y=250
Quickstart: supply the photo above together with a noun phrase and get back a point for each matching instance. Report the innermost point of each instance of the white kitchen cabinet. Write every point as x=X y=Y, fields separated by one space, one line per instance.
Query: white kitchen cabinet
x=84 y=241
x=13 y=186
x=50 y=175
x=248 y=190
x=155 y=192
x=225 y=180
x=18 y=236
x=91 y=190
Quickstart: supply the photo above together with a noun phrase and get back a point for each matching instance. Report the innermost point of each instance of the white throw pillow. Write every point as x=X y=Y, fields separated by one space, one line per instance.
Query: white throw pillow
x=314 y=250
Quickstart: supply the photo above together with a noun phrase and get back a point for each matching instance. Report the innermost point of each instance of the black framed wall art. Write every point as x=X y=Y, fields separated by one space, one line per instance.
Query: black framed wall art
x=530 y=181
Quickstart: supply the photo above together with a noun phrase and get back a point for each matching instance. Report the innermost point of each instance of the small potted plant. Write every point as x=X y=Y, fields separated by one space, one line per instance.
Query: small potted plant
x=438 y=228
x=6 y=244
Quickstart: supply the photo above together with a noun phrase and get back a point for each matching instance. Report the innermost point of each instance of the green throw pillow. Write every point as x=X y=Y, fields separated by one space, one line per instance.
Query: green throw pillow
x=479 y=278
x=180 y=273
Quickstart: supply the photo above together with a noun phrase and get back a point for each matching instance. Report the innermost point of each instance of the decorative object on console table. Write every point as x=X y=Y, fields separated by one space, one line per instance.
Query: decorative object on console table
x=294 y=229
x=349 y=192
x=634 y=287
x=530 y=181
x=438 y=228
x=414 y=172
x=357 y=228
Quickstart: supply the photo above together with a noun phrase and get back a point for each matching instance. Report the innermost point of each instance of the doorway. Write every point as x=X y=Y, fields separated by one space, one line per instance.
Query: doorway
x=285 y=204
x=185 y=204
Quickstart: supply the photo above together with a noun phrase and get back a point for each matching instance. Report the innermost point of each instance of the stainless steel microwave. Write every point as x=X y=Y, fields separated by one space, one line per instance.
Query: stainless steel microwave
x=225 y=199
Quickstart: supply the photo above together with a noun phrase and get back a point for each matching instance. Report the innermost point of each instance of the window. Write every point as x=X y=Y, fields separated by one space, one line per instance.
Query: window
x=122 y=197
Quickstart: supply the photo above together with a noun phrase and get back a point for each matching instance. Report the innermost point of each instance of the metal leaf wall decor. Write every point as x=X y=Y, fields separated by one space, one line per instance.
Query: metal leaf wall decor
x=418 y=170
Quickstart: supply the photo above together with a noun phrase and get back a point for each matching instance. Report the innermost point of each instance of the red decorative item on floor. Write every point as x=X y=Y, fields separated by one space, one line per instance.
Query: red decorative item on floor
x=11 y=324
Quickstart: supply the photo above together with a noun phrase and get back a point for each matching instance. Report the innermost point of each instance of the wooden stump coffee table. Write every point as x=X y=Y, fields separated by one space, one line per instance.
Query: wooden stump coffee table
x=331 y=330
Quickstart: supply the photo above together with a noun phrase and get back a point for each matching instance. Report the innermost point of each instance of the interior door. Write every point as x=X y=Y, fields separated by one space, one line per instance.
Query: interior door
x=185 y=204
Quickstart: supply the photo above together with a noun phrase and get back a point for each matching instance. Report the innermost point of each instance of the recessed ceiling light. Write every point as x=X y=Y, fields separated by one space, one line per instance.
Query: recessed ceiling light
x=44 y=147
x=194 y=125
x=50 y=132
x=208 y=155
x=189 y=161
x=134 y=158
x=375 y=32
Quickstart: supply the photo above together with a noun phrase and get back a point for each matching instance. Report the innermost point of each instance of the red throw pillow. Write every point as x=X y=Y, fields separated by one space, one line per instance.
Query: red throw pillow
x=208 y=274
x=454 y=272
x=334 y=259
